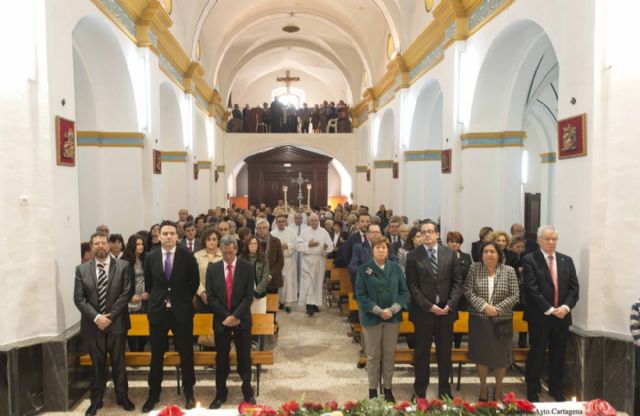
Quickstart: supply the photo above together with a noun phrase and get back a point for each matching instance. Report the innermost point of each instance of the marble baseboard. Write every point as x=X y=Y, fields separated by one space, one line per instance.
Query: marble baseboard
x=601 y=367
x=42 y=376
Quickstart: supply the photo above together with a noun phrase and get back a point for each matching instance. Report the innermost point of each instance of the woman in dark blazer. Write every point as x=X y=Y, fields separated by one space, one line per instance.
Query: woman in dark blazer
x=454 y=241
x=382 y=293
x=138 y=296
x=492 y=290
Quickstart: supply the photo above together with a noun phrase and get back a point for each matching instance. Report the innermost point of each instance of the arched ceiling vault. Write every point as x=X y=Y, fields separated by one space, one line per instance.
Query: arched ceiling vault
x=351 y=35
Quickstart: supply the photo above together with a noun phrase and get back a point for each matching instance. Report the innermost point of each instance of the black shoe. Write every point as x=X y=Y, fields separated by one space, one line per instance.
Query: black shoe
x=281 y=306
x=310 y=310
x=287 y=309
x=361 y=365
x=217 y=402
x=126 y=404
x=149 y=404
x=558 y=397
x=250 y=399
x=315 y=308
x=373 y=393
x=533 y=397
x=190 y=402
x=92 y=410
x=388 y=396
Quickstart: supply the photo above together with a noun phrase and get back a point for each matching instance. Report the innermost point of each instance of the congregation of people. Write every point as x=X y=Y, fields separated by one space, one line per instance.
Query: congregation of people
x=278 y=117
x=226 y=261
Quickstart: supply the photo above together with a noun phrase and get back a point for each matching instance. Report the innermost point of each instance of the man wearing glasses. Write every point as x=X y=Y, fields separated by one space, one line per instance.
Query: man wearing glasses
x=435 y=283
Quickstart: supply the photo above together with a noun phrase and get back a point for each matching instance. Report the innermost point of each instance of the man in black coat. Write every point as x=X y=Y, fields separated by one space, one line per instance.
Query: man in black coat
x=230 y=285
x=434 y=279
x=551 y=292
x=171 y=278
x=101 y=293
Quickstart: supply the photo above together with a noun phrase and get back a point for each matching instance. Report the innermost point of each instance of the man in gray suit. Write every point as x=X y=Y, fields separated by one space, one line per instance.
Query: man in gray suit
x=101 y=293
x=434 y=278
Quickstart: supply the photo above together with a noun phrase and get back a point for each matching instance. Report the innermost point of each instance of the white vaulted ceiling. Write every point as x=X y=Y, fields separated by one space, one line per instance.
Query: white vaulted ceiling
x=338 y=40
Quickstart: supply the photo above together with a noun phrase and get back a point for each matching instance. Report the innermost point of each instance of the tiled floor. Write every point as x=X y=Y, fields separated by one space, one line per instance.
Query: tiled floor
x=314 y=361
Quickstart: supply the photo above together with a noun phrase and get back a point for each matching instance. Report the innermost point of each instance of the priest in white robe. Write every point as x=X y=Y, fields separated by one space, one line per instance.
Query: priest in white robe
x=314 y=243
x=297 y=226
x=288 y=293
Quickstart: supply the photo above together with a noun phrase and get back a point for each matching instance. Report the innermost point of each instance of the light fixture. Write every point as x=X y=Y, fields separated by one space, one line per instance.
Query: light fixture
x=290 y=28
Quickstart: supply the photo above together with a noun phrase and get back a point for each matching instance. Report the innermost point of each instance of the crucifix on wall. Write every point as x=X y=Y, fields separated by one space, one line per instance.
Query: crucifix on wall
x=287 y=80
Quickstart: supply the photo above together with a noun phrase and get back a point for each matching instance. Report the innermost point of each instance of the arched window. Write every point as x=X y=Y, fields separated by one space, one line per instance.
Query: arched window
x=295 y=96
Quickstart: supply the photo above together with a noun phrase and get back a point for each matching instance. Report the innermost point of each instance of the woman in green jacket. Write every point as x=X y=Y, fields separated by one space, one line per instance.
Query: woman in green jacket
x=252 y=253
x=382 y=293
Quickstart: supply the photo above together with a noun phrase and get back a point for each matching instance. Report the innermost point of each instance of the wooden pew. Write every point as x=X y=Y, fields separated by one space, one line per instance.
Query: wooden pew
x=262 y=324
x=460 y=326
x=342 y=278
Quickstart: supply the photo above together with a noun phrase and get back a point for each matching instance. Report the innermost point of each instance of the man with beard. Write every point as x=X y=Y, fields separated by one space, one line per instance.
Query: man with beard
x=101 y=293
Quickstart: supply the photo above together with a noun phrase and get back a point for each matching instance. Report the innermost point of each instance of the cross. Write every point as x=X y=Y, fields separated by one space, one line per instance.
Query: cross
x=299 y=181
x=287 y=80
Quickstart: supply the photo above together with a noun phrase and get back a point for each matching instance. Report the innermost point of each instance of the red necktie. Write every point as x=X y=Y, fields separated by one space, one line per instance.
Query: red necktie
x=554 y=277
x=229 y=280
x=190 y=247
x=364 y=238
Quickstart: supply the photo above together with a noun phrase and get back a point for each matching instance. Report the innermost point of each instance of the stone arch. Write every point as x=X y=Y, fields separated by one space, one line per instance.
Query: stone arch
x=517 y=90
x=383 y=145
x=237 y=166
x=99 y=63
x=426 y=137
x=171 y=131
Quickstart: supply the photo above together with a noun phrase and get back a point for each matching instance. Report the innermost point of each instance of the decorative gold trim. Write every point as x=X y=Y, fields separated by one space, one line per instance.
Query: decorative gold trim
x=491 y=135
x=90 y=133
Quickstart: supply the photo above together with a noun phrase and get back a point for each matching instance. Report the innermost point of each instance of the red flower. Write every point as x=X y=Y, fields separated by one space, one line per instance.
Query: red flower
x=509 y=398
x=493 y=405
x=402 y=406
x=458 y=401
x=349 y=406
x=171 y=410
x=469 y=408
x=332 y=405
x=436 y=403
x=289 y=408
x=422 y=404
x=264 y=411
x=599 y=408
x=525 y=406
x=312 y=406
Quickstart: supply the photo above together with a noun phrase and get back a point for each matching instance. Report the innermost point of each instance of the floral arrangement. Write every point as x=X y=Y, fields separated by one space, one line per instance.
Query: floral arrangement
x=509 y=405
x=171 y=410
x=599 y=408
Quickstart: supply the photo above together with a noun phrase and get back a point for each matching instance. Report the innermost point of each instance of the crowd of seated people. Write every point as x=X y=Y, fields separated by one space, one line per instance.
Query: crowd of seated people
x=280 y=118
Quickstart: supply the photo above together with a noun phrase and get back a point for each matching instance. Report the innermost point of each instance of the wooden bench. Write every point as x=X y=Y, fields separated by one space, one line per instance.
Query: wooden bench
x=340 y=277
x=262 y=325
x=460 y=326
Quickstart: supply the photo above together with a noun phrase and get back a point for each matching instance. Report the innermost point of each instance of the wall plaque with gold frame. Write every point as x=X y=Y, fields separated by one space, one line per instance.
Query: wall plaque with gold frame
x=445 y=161
x=65 y=142
x=572 y=137
x=157 y=162
x=196 y=171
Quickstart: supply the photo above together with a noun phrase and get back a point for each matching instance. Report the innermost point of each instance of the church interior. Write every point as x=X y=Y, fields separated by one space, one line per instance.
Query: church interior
x=467 y=112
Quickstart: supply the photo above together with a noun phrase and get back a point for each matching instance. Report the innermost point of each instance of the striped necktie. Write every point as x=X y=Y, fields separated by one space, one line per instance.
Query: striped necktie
x=102 y=288
x=434 y=261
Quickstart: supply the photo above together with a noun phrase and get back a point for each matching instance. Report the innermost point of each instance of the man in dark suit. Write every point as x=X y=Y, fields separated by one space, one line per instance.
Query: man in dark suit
x=230 y=285
x=551 y=291
x=435 y=280
x=518 y=230
x=101 y=293
x=171 y=278
x=393 y=233
x=362 y=252
x=360 y=236
x=190 y=242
